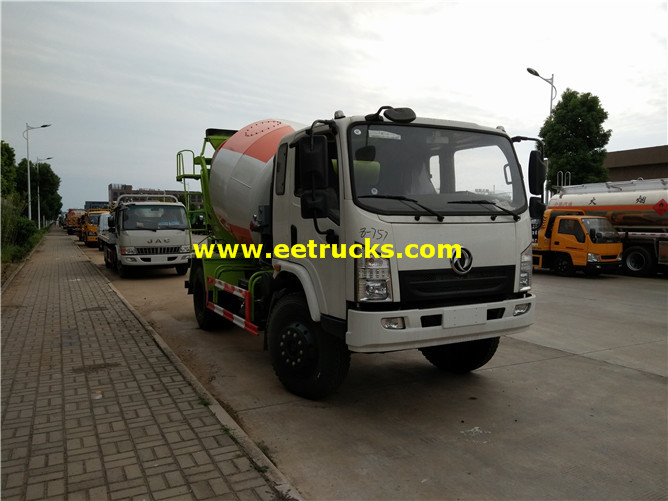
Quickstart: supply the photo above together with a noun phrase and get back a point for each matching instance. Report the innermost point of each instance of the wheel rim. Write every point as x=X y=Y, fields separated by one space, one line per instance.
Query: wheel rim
x=297 y=347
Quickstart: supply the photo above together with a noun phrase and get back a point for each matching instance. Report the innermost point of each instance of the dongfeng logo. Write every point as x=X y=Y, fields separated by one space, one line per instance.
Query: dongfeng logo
x=462 y=265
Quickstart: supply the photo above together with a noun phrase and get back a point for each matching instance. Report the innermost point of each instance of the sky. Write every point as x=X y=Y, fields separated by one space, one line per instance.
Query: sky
x=126 y=85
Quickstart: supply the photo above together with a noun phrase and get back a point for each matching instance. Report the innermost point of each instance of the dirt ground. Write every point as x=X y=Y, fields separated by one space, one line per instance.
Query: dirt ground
x=536 y=422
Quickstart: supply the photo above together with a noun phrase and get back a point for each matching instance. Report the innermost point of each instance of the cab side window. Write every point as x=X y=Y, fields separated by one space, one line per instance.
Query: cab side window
x=572 y=227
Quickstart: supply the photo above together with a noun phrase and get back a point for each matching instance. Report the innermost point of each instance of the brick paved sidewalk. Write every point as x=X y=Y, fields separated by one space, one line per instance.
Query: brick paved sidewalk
x=94 y=408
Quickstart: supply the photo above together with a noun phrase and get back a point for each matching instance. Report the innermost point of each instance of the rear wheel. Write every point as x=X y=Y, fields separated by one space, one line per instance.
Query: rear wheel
x=206 y=319
x=462 y=357
x=638 y=261
x=107 y=263
x=308 y=361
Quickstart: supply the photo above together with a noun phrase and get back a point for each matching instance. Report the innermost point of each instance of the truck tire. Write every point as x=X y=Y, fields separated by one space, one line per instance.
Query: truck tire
x=206 y=319
x=638 y=261
x=563 y=265
x=308 y=361
x=121 y=269
x=181 y=269
x=462 y=357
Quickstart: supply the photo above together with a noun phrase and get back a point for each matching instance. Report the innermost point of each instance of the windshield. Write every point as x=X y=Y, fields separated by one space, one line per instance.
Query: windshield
x=408 y=169
x=93 y=218
x=605 y=232
x=154 y=217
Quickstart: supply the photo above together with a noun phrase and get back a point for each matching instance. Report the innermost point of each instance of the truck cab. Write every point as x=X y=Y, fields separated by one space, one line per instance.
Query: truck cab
x=89 y=226
x=569 y=241
x=147 y=231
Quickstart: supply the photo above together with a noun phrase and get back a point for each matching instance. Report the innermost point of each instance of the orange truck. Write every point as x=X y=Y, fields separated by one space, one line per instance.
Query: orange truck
x=638 y=210
x=72 y=221
x=570 y=241
x=89 y=224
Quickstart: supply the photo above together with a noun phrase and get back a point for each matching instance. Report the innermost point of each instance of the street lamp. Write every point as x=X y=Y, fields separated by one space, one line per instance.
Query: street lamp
x=26 y=135
x=39 y=203
x=553 y=90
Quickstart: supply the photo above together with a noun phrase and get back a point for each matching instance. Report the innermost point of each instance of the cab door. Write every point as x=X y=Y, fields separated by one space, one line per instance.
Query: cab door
x=571 y=239
x=327 y=274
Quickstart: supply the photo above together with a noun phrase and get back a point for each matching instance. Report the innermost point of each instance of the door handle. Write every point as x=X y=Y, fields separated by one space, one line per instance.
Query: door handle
x=293 y=235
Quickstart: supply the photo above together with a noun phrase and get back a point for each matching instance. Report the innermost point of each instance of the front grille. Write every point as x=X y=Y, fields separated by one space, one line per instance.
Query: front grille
x=157 y=250
x=444 y=287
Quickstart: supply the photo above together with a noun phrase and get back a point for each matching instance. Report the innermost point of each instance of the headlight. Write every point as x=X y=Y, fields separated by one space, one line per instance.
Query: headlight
x=128 y=250
x=593 y=258
x=184 y=248
x=526 y=269
x=373 y=278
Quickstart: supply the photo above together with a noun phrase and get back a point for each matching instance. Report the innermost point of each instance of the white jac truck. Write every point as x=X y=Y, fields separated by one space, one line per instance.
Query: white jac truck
x=147 y=231
x=363 y=234
x=637 y=209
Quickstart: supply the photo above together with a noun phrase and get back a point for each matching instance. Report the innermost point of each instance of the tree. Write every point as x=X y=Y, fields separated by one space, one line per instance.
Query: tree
x=575 y=139
x=49 y=183
x=8 y=169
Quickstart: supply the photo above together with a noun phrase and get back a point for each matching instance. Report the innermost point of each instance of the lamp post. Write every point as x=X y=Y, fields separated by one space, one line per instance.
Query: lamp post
x=553 y=90
x=39 y=202
x=26 y=136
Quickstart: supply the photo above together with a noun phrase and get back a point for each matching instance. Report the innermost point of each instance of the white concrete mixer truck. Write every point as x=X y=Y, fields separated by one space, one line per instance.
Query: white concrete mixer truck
x=363 y=234
x=637 y=209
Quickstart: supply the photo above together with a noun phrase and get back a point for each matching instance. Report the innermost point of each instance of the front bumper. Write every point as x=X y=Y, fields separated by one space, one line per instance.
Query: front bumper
x=604 y=267
x=457 y=324
x=164 y=260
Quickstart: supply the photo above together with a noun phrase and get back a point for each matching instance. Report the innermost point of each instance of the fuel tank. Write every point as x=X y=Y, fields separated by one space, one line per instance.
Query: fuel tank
x=630 y=205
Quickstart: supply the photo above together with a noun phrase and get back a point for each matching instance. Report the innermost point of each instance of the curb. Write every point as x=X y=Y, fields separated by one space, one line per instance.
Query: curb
x=269 y=469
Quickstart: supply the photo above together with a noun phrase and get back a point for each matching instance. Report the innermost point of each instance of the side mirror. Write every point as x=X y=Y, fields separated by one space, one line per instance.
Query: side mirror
x=537 y=173
x=111 y=223
x=312 y=161
x=592 y=235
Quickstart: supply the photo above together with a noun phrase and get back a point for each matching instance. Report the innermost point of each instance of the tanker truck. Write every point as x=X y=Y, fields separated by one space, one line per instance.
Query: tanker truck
x=363 y=234
x=637 y=209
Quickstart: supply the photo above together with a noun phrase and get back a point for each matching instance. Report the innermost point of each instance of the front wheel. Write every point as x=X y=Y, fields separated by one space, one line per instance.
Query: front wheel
x=564 y=266
x=462 y=357
x=181 y=269
x=122 y=270
x=308 y=361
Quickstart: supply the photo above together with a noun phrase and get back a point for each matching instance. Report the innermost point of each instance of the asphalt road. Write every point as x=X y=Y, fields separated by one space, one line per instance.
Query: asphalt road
x=574 y=409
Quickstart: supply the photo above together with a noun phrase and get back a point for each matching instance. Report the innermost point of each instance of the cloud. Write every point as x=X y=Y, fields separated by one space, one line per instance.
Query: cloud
x=126 y=85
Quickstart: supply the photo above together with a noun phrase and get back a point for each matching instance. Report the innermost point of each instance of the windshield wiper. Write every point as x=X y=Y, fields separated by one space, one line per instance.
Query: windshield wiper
x=488 y=202
x=402 y=198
